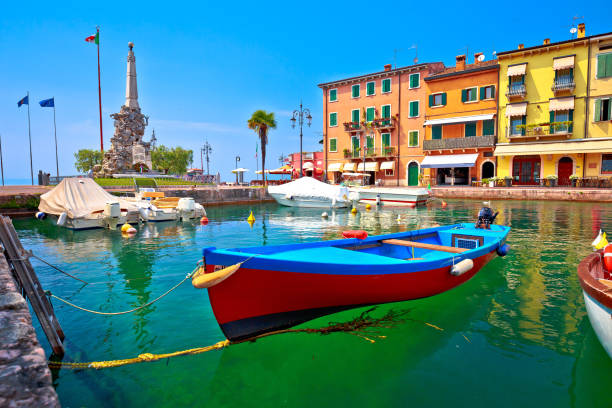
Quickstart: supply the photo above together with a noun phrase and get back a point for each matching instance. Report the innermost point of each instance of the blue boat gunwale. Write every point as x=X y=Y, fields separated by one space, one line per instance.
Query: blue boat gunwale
x=267 y=261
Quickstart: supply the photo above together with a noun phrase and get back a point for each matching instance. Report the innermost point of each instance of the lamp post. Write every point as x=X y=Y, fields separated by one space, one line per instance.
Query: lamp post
x=206 y=149
x=298 y=115
x=237 y=160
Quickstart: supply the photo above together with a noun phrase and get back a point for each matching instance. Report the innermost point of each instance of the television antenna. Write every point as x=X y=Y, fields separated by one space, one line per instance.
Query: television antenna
x=395 y=51
x=481 y=58
x=573 y=30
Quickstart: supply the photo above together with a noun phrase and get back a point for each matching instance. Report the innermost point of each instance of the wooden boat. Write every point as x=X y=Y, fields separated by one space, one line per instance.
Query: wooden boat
x=596 y=284
x=392 y=196
x=276 y=287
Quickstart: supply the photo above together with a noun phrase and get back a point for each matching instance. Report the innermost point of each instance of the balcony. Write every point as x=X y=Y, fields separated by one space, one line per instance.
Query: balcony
x=516 y=91
x=458 y=143
x=563 y=84
x=370 y=152
x=385 y=123
x=555 y=129
x=352 y=126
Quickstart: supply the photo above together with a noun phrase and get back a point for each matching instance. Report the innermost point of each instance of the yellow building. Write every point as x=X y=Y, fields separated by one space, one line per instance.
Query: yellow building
x=543 y=126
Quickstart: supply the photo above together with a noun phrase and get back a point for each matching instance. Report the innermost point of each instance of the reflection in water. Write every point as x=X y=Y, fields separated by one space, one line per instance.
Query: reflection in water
x=522 y=316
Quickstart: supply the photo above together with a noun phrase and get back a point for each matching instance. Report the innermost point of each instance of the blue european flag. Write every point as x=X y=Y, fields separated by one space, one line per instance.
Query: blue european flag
x=23 y=101
x=48 y=103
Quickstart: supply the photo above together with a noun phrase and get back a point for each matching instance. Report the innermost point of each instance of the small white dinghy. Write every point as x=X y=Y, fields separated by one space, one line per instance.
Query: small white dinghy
x=309 y=192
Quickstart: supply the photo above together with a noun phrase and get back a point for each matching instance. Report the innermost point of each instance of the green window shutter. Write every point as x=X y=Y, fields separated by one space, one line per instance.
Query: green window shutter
x=601 y=66
x=470 y=129
x=444 y=98
x=523 y=122
x=488 y=127
x=370 y=88
x=369 y=114
x=431 y=98
x=597 y=112
x=386 y=85
x=333 y=119
x=414 y=109
x=463 y=95
x=414 y=80
x=355 y=91
x=609 y=108
x=552 y=119
x=492 y=91
x=482 y=92
x=386 y=111
x=436 y=132
x=556 y=74
x=332 y=145
x=355 y=143
x=386 y=139
x=355 y=115
x=413 y=140
x=333 y=95
x=608 y=65
x=570 y=117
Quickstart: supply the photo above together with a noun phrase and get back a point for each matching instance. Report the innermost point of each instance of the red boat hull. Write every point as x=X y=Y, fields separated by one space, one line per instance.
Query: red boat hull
x=255 y=301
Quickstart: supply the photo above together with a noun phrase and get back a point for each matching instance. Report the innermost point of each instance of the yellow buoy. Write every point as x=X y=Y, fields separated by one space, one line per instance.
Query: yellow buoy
x=251 y=218
x=354 y=211
x=126 y=227
x=368 y=207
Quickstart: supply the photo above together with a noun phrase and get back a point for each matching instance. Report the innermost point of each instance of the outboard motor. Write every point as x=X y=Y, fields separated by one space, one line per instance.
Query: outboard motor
x=485 y=218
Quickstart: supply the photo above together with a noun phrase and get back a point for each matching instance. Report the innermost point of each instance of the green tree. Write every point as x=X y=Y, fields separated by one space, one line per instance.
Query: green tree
x=261 y=122
x=86 y=159
x=174 y=160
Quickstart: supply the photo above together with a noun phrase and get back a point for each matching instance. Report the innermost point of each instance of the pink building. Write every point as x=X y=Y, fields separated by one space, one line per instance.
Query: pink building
x=313 y=164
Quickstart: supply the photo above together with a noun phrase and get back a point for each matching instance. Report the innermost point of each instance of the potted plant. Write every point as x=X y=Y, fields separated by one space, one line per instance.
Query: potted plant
x=347 y=153
x=484 y=182
x=552 y=180
x=492 y=181
x=574 y=179
x=508 y=181
x=420 y=178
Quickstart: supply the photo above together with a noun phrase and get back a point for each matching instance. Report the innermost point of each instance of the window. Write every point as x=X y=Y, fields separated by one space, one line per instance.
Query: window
x=469 y=95
x=333 y=95
x=369 y=145
x=564 y=76
x=559 y=117
x=370 y=114
x=386 y=113
x=333 y=119
x=515 y=121
x=606 y=163
x=355 y=116
x=370 y=88
x=355 y=145
x=414 y=109
x=333 y=145
x=413 y=138
x=436 y=132
x=438 y=99
x=604 y=65
x=470 y=129
x=386 y=85
x=488 y=127
x=415 y=80
x=385 y=139
x=603 y=110
x=487 y=92
x=355 y=89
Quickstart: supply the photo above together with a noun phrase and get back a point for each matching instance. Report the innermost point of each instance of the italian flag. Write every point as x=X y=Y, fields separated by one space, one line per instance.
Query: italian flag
x=93 y=39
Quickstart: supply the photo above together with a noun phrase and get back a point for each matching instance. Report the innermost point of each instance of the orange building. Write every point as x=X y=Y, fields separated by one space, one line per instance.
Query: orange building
x=374 y=124
x=460 y=126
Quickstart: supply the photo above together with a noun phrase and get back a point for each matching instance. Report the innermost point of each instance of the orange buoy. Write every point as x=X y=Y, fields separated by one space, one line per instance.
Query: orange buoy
x=412 y=205
x=204 y=220
x=607 y=253
x=359 y=234
x=444 y=204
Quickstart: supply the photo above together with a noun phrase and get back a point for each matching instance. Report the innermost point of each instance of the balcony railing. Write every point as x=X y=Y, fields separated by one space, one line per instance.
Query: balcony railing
x=543 y=130
x=352 y=126
x=459 y=143
x=564 y=84
x=370 y=152
x=385 y=123
x=516 y=90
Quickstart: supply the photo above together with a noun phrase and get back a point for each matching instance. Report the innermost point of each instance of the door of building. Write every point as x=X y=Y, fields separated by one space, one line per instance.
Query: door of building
x=488 y=170
x=564 y=171
x=413 y=174
x=526 y=170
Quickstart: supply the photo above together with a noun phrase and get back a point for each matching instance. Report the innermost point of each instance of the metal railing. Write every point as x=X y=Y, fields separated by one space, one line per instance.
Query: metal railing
x=459 y=143
x=564 y=84
x=516 y=90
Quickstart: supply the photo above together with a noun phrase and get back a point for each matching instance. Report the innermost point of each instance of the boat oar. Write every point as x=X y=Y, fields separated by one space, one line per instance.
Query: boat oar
x=201 y=280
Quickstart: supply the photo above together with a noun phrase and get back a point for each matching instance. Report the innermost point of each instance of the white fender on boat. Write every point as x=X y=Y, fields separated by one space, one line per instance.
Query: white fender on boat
x=143 y=214
x=61 y=220
x=462 y=267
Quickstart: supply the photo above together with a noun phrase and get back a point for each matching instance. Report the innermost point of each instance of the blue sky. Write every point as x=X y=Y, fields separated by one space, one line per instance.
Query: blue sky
x=203 y=68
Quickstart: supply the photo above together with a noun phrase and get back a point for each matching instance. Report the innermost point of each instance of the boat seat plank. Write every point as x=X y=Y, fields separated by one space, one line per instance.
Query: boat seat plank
x=606 y=282
x=423 y=245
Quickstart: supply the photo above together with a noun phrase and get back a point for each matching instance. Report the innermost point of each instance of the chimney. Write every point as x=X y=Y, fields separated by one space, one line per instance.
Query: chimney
x=388 y=67
x=460 y=66
x=476 y=56
x=546 y=41
x=521 y=46
x=581 y=30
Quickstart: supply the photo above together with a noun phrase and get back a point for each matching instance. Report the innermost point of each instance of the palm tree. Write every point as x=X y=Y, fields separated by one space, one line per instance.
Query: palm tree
x=261 y=122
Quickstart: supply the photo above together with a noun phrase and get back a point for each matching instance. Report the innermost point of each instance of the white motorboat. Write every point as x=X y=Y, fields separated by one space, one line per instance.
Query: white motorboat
x=391 y=196
x=309 y=192
x=80 y=203
x=156 y=207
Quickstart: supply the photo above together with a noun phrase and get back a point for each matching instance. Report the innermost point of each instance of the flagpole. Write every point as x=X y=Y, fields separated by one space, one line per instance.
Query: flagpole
x=55 y=134
x=1 y=163
x=30 y=137
x=99 y=91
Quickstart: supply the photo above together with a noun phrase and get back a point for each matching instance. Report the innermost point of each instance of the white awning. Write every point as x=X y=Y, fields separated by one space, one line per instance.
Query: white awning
x=335 y=167
x=459 y=119
x=561 y=104
x=308 y=166
x=449 y=160
x=516 y=109
x=517 y=70
x=240 y=170
x=563 y=63
x=388 y=165
x=369 y=166
x=349 y=167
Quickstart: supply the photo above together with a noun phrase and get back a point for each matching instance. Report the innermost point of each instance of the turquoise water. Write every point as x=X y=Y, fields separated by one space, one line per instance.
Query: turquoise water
x=517 y=334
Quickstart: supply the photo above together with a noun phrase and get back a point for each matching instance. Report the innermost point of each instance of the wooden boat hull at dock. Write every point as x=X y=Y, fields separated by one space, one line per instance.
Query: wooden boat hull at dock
x=279 y=287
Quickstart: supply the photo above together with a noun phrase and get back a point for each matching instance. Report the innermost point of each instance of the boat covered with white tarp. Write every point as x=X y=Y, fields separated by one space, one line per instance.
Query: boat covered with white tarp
x=309 y=192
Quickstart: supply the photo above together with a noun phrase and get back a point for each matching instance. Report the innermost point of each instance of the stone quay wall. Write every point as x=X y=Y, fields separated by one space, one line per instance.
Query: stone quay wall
x=220 y=195
x=524 y=193
x=25 y=379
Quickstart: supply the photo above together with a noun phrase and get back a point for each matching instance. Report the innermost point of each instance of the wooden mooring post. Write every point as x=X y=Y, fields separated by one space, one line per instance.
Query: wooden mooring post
x=17 y=258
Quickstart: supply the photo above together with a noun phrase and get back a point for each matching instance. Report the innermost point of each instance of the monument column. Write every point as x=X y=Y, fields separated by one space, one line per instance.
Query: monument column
x=131 y=88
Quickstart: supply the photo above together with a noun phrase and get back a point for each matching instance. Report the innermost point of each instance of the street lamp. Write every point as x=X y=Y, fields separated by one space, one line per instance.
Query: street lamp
x=237 y=160
x=298 y=115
